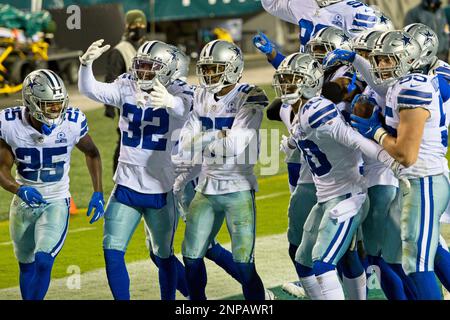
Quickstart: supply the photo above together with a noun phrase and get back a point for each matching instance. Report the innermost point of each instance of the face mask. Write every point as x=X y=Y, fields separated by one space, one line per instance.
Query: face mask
x=135 y=34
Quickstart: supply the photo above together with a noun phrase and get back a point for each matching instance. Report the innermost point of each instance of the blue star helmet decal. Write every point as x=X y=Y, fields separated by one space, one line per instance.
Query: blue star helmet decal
x=384 y=19
x=429 y=36
x=235 y=49
x=406 y=40
x=345 y=37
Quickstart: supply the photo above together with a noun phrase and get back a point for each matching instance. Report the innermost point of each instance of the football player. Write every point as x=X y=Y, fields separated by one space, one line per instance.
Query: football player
x=227 y=116
x=151 y=109
x=332 y=150
x=216 y=252
x=313 y=15
x=415 y=122
x=39 y=137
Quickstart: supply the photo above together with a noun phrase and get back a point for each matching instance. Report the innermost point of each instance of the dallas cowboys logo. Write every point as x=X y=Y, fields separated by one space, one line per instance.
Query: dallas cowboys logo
x=345 y=38
x=235 y=49
x=406 y=40
x=428 y=37
x=383 y=19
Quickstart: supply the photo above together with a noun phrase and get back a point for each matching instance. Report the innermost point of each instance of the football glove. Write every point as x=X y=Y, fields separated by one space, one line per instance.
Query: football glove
x=338 y=55
x=93 y=52
x=31 y=196
x=370 y=128
x=263 y=43
x=160 y=97
x=98 y=203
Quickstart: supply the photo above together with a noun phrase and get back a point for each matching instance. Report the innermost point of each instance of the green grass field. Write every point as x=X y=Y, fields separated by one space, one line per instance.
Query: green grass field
x=83 y=246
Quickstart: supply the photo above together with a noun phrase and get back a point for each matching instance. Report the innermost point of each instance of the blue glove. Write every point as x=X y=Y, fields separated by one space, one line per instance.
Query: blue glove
x=262 y=43
x=338 y=55
x=30 y=196
x=367 y=127
x=98 y=203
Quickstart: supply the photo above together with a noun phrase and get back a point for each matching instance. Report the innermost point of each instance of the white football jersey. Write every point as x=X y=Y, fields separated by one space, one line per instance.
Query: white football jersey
x=305 y=175
x=147 y=135
x=229 y=161
x=420 y=91
x=325 y=141
x=351 y=16
x=375 y=172
x=442 y=68
x=43 y=162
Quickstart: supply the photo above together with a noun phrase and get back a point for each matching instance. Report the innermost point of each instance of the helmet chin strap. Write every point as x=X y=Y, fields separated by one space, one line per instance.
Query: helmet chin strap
x=47 y=130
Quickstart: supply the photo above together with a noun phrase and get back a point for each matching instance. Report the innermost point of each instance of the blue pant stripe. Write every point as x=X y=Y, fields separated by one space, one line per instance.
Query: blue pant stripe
x=422 y=223
x=174 y=229
x=430 y=227
x=254 y=223
x=343 y=240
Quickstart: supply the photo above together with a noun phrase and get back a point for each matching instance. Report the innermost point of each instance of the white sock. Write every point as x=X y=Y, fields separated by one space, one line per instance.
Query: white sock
x=312 y=287
x=356 y=287
x=331 y=286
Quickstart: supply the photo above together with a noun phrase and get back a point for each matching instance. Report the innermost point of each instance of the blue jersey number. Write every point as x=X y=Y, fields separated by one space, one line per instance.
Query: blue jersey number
x=355 y=4
x=138 y=133
x=13 y=113
x=307 y=29
x=316 y=159
x=35 y=166
x=219 y=123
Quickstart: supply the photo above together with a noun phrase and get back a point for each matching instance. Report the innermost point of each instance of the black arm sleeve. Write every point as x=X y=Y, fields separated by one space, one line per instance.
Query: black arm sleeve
x=273 y=110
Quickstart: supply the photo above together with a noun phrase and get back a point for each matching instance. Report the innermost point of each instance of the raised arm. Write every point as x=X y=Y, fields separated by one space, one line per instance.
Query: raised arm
x=107 y=93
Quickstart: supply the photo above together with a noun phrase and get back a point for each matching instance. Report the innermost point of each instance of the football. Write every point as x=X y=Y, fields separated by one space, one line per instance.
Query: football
x=363 y=109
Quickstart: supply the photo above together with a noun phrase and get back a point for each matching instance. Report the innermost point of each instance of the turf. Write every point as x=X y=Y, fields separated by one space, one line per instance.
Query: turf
x=83 y=247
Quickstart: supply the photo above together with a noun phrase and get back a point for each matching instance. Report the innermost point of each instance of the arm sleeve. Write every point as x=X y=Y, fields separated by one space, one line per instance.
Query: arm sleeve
x=83 y=127
x=277 y=60
x=191 y=136
x=107 y=93
x=341 y=132
x=184 y=97
x=242 y=133
x=273 y=110
x=280 y=9
x=363 y=66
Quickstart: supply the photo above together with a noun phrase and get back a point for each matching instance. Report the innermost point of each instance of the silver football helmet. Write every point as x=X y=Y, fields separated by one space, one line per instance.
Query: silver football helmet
x=364 y=43
x=154 y=59
x=220 y=65
x=183 y=61
x=384 y=23
x=428 y=41
x=45 y=96
x=393 y=56
x=326 y=40
x=299 y=75
x=325 y=3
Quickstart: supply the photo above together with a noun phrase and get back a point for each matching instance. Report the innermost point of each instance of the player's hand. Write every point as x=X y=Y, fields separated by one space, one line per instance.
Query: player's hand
x=160 y=97
x=178 y=189
x=263 y=43
x=94 y=51
x=367 y=127
x=30 y=196
x=285 y=146
x=338 y=55
x=98 y=203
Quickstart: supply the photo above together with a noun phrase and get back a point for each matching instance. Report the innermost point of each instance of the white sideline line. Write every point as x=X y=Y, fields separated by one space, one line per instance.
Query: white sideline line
x=8 y=243
x=272 y=195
